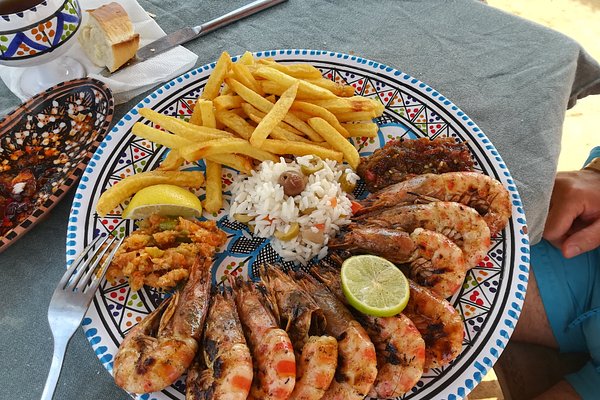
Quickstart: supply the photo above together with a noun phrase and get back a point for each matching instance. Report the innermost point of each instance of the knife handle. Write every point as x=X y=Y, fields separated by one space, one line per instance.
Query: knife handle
x=235 y=15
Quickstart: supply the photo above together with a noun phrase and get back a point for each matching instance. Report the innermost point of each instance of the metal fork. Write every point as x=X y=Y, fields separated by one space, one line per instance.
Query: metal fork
x=71 y=300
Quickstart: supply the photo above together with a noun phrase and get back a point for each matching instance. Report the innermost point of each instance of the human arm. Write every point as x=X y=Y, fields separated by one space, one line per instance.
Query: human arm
x=573 y=223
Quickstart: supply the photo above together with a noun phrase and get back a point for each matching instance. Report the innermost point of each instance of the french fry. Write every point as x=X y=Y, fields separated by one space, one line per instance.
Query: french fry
x=302 y=126
x=254 y=114
x=282 y=134
x=239 y=112
x=270 y=87
x=236 y=123
x=277 y=88
x=200 y=134
x=114 y=195
x=250 y=96
x=226 y=146
x=305 y=88
x=290 y=128
x=265 y=106
x=235 y=161
x=336 y=88
x=317 y=111
x=274 y=116
x=214 y=196
x=350 y=104
x=325 y=145
x=244 y=76
x=208 y=115
x=196 y=117
x=356 y=116
x=172 y=162
x=336 y=140
x=279 y=132
x=181 y=128
x=247 y=58
x=300 y=71
x=215 y=80
x=366 y=129
x=300 y=149
x=227 y=102
x=301 y=114
x=158 y=136
x=225 y=90
x=214 y=193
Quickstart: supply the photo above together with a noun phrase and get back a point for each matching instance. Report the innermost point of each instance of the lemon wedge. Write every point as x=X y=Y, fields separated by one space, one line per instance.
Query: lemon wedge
x=164 y=200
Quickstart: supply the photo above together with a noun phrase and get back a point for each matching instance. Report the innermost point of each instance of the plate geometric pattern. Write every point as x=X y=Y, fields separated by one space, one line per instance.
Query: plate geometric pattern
x=489 y=301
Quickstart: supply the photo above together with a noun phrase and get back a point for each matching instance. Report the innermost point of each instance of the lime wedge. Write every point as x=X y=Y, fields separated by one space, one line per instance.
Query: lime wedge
x=164 y=200
x=374 y=285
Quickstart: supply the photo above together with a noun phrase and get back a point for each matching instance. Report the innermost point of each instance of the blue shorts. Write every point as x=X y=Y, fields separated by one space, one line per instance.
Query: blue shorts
x=570 y=292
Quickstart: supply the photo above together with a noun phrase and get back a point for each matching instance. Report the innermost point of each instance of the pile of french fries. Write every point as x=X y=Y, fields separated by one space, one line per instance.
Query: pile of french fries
x=258 y=110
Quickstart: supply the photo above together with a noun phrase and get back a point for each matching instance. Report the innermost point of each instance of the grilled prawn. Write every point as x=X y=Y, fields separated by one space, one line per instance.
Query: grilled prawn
x=223 y=368
x=481 y=192
x=357 y=363
x=316 y=367
x=399 y=347
x=432 y=259
x=274 y=360
x=303 y=319
x=162 y=346
x=439 y=323
x=461 y=224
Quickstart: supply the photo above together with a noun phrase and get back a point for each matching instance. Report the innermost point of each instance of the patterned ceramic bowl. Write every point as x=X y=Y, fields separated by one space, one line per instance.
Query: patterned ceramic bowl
x=38 y=34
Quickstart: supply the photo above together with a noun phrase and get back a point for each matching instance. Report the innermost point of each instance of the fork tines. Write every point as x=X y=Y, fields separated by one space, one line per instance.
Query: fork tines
x=79 y=275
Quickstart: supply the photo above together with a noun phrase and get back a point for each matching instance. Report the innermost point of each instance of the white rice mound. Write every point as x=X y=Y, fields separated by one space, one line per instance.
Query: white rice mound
x=260 y=196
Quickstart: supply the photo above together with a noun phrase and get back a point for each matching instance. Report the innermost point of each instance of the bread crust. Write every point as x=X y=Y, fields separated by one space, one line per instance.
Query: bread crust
x=122 y=41
x=124 y=51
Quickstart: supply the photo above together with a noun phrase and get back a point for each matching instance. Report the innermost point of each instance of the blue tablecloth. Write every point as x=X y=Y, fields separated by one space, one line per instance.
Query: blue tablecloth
x=515 y=79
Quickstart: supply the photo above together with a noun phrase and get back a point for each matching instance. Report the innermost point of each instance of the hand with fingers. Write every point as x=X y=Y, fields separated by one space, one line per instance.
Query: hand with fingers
x=573 y=223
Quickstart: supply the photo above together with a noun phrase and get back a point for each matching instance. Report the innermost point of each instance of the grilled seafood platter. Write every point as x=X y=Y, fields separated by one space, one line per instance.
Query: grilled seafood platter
x=242 y=296
x=291 y=333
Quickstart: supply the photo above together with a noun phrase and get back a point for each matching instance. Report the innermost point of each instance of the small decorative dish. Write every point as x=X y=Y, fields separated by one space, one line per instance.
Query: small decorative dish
x=45 y=145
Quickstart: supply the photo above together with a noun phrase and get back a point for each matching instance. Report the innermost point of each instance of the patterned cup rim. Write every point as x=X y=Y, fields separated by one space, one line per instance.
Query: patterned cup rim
x=51 y=45
x=34 y=9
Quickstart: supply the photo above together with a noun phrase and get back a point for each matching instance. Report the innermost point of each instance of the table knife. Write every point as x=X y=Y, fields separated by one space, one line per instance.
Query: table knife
x=186 y=34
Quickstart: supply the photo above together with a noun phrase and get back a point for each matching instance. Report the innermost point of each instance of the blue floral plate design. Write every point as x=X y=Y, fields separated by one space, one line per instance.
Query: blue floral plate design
x=489 y=301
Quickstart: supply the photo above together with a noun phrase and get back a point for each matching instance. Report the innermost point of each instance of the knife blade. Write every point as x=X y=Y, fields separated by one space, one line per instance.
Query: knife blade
x=189 y=33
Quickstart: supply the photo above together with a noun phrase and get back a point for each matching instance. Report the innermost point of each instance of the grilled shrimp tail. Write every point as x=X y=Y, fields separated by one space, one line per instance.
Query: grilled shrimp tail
x=157 y=351
x=439 y=323
x=271 y=348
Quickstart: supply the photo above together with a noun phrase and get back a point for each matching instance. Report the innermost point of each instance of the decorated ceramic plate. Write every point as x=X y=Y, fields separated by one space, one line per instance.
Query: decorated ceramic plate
x=45 y=145
x=489 y=301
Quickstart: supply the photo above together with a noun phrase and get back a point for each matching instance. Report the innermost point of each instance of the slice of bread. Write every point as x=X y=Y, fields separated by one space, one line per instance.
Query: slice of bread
x=108 y=38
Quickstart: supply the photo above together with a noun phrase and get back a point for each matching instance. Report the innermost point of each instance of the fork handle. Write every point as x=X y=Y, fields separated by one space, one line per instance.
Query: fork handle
x=60 y=347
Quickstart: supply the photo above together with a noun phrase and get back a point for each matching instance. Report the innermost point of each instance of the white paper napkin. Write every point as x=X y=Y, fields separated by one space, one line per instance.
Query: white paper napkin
x=133 y=80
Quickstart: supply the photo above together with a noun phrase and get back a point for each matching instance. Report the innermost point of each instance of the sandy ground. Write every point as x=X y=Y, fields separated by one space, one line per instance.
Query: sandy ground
x=579 y=19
